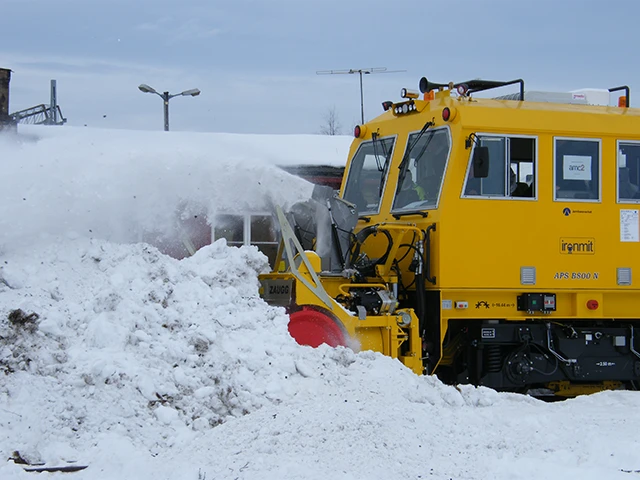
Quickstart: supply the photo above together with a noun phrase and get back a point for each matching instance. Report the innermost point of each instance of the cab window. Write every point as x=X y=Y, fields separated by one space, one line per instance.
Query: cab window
x=512 y=168
x=629 y=172
x=577 y=169
x=422 y=170
x=367 y=174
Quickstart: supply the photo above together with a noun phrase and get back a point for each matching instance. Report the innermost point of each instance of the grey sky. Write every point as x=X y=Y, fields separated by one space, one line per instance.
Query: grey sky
x=255 y=61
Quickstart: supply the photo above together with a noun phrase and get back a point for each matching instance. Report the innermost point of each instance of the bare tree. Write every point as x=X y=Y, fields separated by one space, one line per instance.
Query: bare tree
x=331 y=125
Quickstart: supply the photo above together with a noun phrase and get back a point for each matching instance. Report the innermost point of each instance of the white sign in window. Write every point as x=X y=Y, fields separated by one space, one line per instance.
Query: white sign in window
x=576 y=167
x=622 y=159
x=629 y=226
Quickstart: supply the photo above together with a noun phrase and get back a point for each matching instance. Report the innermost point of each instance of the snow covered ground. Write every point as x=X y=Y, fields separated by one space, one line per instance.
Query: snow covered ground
x=141 y=366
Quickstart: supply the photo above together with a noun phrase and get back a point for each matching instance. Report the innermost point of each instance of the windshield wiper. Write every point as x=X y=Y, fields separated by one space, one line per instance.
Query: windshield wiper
x=374 y=140
x=381 y=168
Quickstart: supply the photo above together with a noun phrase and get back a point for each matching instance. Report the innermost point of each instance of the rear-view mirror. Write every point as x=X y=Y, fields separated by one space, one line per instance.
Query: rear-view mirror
x=481 y=162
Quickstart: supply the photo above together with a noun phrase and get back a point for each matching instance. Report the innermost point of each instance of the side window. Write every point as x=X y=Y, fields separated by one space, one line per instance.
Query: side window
x=577 y=169
x=264 y=235
x=512 y=172
x=248 y=229
x=231 y=228
x=629 y=172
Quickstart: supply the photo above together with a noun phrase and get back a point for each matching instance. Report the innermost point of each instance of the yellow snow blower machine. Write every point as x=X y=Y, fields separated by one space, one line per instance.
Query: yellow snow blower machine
x=491 y=241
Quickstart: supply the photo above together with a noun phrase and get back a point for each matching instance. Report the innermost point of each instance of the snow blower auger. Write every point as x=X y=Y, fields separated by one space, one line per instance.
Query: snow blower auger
x=334 y=293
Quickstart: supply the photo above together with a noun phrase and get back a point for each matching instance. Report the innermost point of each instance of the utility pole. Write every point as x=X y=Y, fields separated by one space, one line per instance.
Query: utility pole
x=360 y=72
x=53 y=120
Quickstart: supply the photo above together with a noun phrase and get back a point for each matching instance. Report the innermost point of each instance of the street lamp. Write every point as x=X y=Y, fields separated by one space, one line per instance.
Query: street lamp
x=194 y=92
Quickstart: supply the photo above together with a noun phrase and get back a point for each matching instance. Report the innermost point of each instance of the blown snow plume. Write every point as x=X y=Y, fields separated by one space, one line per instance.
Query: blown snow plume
x=131 y=186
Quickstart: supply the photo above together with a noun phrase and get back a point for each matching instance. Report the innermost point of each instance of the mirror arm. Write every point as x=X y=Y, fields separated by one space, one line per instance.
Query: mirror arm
x=468 y=141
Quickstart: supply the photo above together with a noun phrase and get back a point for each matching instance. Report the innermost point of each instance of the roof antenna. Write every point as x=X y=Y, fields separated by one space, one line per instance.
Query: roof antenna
x=359 y=71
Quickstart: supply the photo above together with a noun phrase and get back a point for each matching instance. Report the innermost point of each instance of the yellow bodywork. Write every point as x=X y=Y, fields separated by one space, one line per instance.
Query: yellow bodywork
x=480 y=246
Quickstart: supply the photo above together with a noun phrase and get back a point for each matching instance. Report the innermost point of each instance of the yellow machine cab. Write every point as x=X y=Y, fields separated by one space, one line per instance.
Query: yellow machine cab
x=492 y=241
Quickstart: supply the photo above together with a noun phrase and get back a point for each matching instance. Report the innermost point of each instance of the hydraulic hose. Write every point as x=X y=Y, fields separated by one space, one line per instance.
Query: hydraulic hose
x=360 y=238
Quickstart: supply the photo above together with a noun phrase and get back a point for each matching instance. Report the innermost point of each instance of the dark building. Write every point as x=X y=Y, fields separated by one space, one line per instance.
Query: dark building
x=248 y=228
x=5 y=119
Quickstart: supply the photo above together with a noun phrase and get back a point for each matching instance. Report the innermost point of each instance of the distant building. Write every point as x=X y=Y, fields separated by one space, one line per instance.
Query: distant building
x=6 y=121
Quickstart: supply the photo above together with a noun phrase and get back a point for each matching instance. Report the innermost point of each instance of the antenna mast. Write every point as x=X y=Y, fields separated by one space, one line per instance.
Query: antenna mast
x=359 y=71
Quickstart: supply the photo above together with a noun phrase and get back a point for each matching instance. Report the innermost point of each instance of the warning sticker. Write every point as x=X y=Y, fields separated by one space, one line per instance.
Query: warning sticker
x=629 y=226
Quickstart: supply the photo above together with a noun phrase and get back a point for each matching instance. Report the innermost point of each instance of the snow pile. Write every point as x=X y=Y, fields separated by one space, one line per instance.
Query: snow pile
x=98 y=338
x=143 y=366
x=126 y=333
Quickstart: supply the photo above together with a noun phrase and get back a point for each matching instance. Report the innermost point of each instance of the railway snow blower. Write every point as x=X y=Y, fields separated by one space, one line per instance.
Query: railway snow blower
x=490 y=241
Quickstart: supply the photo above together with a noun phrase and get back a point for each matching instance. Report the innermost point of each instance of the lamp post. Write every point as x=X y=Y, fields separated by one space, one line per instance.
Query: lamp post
x=194 y=92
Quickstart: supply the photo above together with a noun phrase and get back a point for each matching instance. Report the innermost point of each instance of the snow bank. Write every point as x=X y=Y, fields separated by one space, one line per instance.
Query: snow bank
x=120 y=339
x=129 y=339
x=143 y=366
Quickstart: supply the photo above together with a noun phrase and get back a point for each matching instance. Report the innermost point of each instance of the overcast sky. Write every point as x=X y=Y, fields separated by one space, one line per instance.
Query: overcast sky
x=255 y=61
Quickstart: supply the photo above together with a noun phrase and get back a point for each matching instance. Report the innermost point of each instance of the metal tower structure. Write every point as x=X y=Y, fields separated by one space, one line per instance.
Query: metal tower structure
x=39 y=115
x=42 y=114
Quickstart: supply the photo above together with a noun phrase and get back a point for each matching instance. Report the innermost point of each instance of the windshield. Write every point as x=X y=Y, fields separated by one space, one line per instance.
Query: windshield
x=420 y=178
x=367 y=174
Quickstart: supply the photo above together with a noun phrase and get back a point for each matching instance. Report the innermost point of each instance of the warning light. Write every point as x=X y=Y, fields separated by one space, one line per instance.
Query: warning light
x=448 y=114
x=387 y=105
x=359 y=131
x=592 y=304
